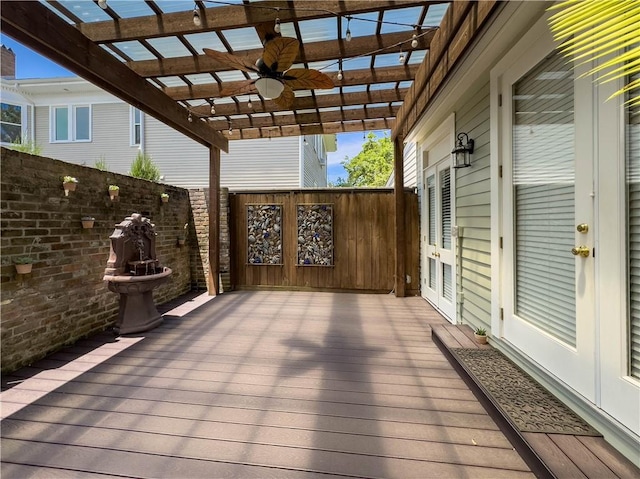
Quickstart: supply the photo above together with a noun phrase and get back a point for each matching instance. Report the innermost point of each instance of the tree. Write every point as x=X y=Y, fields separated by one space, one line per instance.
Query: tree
x=372 y=166
x=595 y=29
x=143 y=167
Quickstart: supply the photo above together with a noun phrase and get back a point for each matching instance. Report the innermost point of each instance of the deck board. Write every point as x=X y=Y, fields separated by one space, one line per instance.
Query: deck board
x=257 y=384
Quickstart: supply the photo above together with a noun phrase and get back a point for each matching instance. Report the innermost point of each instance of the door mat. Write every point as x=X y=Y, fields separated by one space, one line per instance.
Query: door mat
x=530 y=407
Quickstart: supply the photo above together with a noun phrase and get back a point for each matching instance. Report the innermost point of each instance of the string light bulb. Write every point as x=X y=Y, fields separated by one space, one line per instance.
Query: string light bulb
x=102 y=4
x=213 y=107
x=401 y=58
x=197 y=21
x=340 y=75
x=414 y=41
x=190 y=118
x=276 y=27
x=348 y=35
x=249 y=104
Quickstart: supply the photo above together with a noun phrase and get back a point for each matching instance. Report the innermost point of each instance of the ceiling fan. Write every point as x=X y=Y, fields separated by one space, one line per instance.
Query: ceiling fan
x=276 y=79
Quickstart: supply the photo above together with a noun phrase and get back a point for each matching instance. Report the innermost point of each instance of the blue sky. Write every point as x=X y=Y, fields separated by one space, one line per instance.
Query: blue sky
x=31 y=65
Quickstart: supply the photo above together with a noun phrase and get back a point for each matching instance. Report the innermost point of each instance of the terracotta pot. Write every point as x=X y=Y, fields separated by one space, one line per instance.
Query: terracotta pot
x=114 y=193
x=86 y=224
x=165 y=200
x=24 y=268
x=480 y=338
x=69 y=186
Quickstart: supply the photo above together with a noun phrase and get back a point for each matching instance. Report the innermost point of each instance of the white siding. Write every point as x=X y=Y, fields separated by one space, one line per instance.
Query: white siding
x=473 y=212
x=410 y=160
x=109 y=138
x=315 y=163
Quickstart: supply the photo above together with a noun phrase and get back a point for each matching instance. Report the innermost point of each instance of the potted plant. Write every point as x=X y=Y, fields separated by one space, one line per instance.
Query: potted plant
x=164 y=197
x=69 y=183
x=481 y=335
x=87 y=222
x=114 y=191
x=23 y=264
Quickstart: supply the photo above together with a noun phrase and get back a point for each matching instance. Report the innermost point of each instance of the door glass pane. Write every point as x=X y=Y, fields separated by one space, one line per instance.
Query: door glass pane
x=432 y=273
x=431 y=198
x=83 y=123
x=445 y=207
x=633 y=233
x=61 y=124
x=447 y=290
x=543 y=182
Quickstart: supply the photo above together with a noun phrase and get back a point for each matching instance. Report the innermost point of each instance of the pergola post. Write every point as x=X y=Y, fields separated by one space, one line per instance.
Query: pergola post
x=401 y=244
x=213 y=280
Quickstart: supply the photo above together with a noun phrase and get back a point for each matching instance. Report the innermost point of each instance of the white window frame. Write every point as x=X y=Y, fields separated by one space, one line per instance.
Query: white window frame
x=72 y=123
x=23 y=119
x=132 y=126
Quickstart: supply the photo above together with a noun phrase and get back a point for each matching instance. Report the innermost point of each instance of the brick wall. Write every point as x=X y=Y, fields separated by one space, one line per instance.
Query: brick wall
x=64 y=298
x=199 y=230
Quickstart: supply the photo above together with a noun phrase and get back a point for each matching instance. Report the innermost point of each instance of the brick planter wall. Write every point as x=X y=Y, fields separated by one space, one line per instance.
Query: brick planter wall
x=64 y=298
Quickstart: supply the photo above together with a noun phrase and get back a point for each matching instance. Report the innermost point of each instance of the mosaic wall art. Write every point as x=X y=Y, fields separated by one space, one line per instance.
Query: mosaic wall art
x=264 y=234
x=315 y=235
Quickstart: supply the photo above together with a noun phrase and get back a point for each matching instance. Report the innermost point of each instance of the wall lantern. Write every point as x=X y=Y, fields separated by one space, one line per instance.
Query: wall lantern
x=461 y=154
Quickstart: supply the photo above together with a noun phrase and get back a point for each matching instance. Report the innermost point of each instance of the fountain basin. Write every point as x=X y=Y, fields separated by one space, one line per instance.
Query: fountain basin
x=137 y=311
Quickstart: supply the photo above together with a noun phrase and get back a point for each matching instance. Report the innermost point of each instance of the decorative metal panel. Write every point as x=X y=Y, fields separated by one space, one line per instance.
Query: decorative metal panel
x=264 y=234
x=315 y=235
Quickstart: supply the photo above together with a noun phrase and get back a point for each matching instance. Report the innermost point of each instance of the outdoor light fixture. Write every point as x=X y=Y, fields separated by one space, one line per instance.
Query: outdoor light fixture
x=461 y=154
x=348 y=35
x=276 y=27
x=249 y=104
x=269 y=87
x=102 y=4
x=197 y=21
x=414 y=41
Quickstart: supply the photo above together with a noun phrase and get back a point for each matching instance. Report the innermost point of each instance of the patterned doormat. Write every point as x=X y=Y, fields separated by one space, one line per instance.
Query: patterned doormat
x=530 y=407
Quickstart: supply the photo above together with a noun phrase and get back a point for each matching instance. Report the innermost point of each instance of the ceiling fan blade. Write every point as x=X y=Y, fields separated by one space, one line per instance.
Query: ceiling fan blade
x=230 y=60
x=280 y=53
x=286 y=98
x=238 y=88
x=303 y=79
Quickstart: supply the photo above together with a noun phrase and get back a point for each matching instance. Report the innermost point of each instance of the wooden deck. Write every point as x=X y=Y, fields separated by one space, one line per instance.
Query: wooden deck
x=257 y=384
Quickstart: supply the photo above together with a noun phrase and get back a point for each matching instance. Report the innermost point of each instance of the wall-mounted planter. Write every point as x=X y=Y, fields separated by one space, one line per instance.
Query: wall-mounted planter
x=182 y=241
x=164 y=197
x=24 y=268
x=87 y=222
x=69 y=183
x=114 y=192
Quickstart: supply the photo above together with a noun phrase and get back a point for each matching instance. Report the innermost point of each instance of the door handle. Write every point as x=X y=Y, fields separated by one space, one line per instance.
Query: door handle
x=580 y=251
x=433 y=253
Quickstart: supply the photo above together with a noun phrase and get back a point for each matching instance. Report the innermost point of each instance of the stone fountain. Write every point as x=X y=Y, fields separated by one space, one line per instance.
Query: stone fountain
x=133 y=271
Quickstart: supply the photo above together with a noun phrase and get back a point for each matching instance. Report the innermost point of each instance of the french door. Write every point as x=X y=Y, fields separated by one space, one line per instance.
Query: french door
x=438 y=253
x=567 y=226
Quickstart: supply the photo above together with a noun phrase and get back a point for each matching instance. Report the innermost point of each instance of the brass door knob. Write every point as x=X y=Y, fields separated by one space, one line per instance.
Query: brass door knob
x=583 y=228
x=580 y=251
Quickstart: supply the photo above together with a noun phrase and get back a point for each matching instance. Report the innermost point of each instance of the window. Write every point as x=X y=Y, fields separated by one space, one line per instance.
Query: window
x=136 y=126
x=11 y=123
x=70 y=123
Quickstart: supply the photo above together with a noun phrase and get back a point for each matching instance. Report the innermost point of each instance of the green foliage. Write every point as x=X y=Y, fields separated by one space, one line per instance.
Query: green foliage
x=481 y=332
x=25 y=145
x=373 y=165
x=605 y=30
x=101 y=164
x=144 y=168
x=23 y=260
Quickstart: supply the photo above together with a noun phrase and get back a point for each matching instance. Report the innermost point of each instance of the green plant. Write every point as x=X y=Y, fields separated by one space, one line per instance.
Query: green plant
x=23 y=260
x=144 y=168
x=69 y=179
x=481 y=331
x=101 y=164
x=25 y=145
x=87 y=218
x=114 y=187
x=164 y=195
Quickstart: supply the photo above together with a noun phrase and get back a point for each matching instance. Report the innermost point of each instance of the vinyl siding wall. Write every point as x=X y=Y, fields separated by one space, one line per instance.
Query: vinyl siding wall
x=109 y=125
x=315 y=163
x=473 y=213
x=410 y=165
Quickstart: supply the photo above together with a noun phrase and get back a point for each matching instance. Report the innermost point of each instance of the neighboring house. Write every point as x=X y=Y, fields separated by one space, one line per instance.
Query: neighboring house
x=555 y=167
x=73 y=120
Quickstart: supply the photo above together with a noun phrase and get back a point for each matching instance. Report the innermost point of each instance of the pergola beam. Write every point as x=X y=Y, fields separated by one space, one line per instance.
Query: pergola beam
x=316 y=129
x=313 y=52
x=38 y=28
x=232 y=16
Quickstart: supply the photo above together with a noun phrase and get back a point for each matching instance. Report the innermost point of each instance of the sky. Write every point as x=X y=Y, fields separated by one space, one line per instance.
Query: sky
x=31 y=65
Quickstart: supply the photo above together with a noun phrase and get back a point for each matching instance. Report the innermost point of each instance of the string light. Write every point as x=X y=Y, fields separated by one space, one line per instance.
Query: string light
x=102 y=4
x=276 y=28
x=213 y=107
x=340 y=75
x=348 y=35
x=197 y=21
x=249 y=104
x=414 y=42
x=190 y=118
x=402 y=58
x=230 y=129
x=340 y=69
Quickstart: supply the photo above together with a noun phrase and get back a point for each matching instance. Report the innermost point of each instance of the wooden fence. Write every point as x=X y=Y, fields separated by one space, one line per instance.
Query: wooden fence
x=363 y=256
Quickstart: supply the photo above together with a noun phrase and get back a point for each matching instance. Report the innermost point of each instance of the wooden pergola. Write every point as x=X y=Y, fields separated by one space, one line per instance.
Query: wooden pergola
x=149 y=54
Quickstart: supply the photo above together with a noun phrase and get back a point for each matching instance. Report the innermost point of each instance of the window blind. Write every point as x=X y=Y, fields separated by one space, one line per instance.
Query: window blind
x=543 y=194
x=633 y=232
x=445 y=206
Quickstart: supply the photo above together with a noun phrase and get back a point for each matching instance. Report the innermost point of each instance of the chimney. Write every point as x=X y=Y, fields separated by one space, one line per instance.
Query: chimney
x=8 y=63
